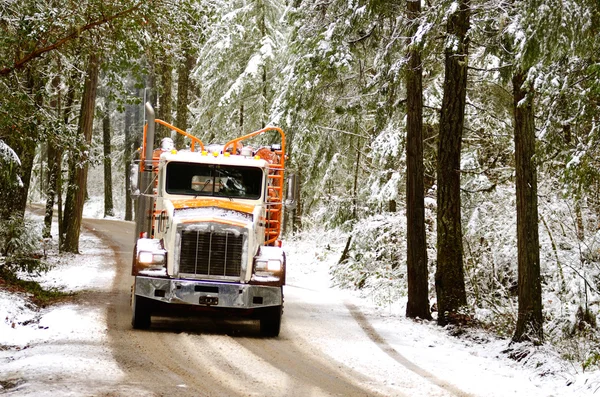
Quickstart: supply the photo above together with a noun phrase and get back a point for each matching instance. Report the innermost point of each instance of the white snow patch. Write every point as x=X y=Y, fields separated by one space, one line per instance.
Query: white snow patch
x=7 y=154
x=475 y=362
x=63 y=349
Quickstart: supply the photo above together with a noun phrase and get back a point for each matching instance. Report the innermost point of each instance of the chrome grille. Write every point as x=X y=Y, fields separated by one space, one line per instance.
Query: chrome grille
x=206 y=253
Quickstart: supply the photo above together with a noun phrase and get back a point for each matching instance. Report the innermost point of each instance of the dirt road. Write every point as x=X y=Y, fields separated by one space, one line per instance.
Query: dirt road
x=324 y=348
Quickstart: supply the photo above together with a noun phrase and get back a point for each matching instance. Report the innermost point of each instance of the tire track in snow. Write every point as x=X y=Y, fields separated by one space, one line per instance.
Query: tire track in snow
x=363 y=322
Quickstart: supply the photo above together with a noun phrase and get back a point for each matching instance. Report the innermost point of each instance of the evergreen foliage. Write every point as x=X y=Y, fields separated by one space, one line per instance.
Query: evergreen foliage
x=20 y=249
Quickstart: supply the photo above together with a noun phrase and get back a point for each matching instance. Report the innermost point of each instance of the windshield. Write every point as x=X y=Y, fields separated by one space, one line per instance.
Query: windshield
x=214 y=180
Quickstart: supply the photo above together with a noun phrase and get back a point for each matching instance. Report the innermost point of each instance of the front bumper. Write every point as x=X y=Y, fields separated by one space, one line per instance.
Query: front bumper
x=208 y=293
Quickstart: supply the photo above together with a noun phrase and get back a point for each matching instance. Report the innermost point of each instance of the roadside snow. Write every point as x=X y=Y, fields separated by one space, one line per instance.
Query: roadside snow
x=66 y=344
x=471 y=361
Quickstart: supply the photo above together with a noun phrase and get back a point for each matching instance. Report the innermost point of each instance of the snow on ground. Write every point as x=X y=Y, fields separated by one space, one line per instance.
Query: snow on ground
x=473 y=361
x=32 y=342
x=63 y=341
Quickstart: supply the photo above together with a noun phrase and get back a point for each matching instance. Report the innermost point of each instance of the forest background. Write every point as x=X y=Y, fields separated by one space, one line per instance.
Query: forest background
x=473 y=122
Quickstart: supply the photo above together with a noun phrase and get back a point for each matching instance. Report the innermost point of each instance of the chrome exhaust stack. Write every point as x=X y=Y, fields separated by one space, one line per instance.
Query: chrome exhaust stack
x=145 y=201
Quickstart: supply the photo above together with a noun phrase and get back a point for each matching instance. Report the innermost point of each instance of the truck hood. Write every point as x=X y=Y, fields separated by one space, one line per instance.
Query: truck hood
x=203 y=203
x=198 y=210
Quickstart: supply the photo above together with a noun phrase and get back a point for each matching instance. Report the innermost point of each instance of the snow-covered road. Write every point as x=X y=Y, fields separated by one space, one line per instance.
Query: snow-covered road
x=332 y=343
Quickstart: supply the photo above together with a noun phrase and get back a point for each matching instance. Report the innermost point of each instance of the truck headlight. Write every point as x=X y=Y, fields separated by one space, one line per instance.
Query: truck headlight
x=271 y=265
x=151 y=258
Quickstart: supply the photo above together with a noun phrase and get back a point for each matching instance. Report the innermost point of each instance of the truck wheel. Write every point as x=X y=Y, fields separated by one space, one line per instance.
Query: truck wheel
x=270 y=321
x=140 y=318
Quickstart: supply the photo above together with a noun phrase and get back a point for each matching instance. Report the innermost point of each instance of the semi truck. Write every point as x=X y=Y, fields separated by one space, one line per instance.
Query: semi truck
x=208 y=223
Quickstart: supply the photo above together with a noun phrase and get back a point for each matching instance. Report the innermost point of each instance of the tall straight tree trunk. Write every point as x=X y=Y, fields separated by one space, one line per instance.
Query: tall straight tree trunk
x=53 y=175
x=241 y=122
x=42 y=168
x=299 y=210
x=136 y=133
x=53 y=161
x=529 y=321
x=449 y=276
x=127 y=154
x=108 y=186
x=78 y=165
x=416 y=261
x=138 y=123
x=183 y=98
x=264 y=103
x=165 y=98
x=355 y=183
x=151 y=95
x=59 y=184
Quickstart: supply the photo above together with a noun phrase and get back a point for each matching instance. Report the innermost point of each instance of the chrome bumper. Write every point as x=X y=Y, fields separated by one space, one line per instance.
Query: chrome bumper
x=208 y=293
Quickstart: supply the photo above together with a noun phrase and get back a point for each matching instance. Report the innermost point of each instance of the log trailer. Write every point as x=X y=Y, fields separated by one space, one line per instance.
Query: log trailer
x=208 y=221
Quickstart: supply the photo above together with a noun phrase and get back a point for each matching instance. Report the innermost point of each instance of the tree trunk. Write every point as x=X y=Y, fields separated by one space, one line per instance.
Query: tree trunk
x=13 y=196
x=53 y=174
x=137 y=132
x=78 y=165
x=579 y=218
x=42 y=168
x=183 y=98
x=355 y=184
x=108 y=186
x=263 y=99
x=27 y=155
x=298 y=210
x=265 y=104
x=127 y=156
x=416 y=261
x=138 y=123
x=449 y=276
x=25 y=147
x=53 y=165
x=165 y=99
x=59 y=184
x=529 y=322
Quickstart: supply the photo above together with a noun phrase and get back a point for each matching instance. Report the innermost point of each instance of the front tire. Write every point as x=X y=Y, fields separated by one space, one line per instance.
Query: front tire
x=270 y=321
x=141 y=316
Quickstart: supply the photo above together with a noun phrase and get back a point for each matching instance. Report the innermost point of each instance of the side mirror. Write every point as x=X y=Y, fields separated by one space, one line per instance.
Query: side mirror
x=134 y=179
x=291 y=191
